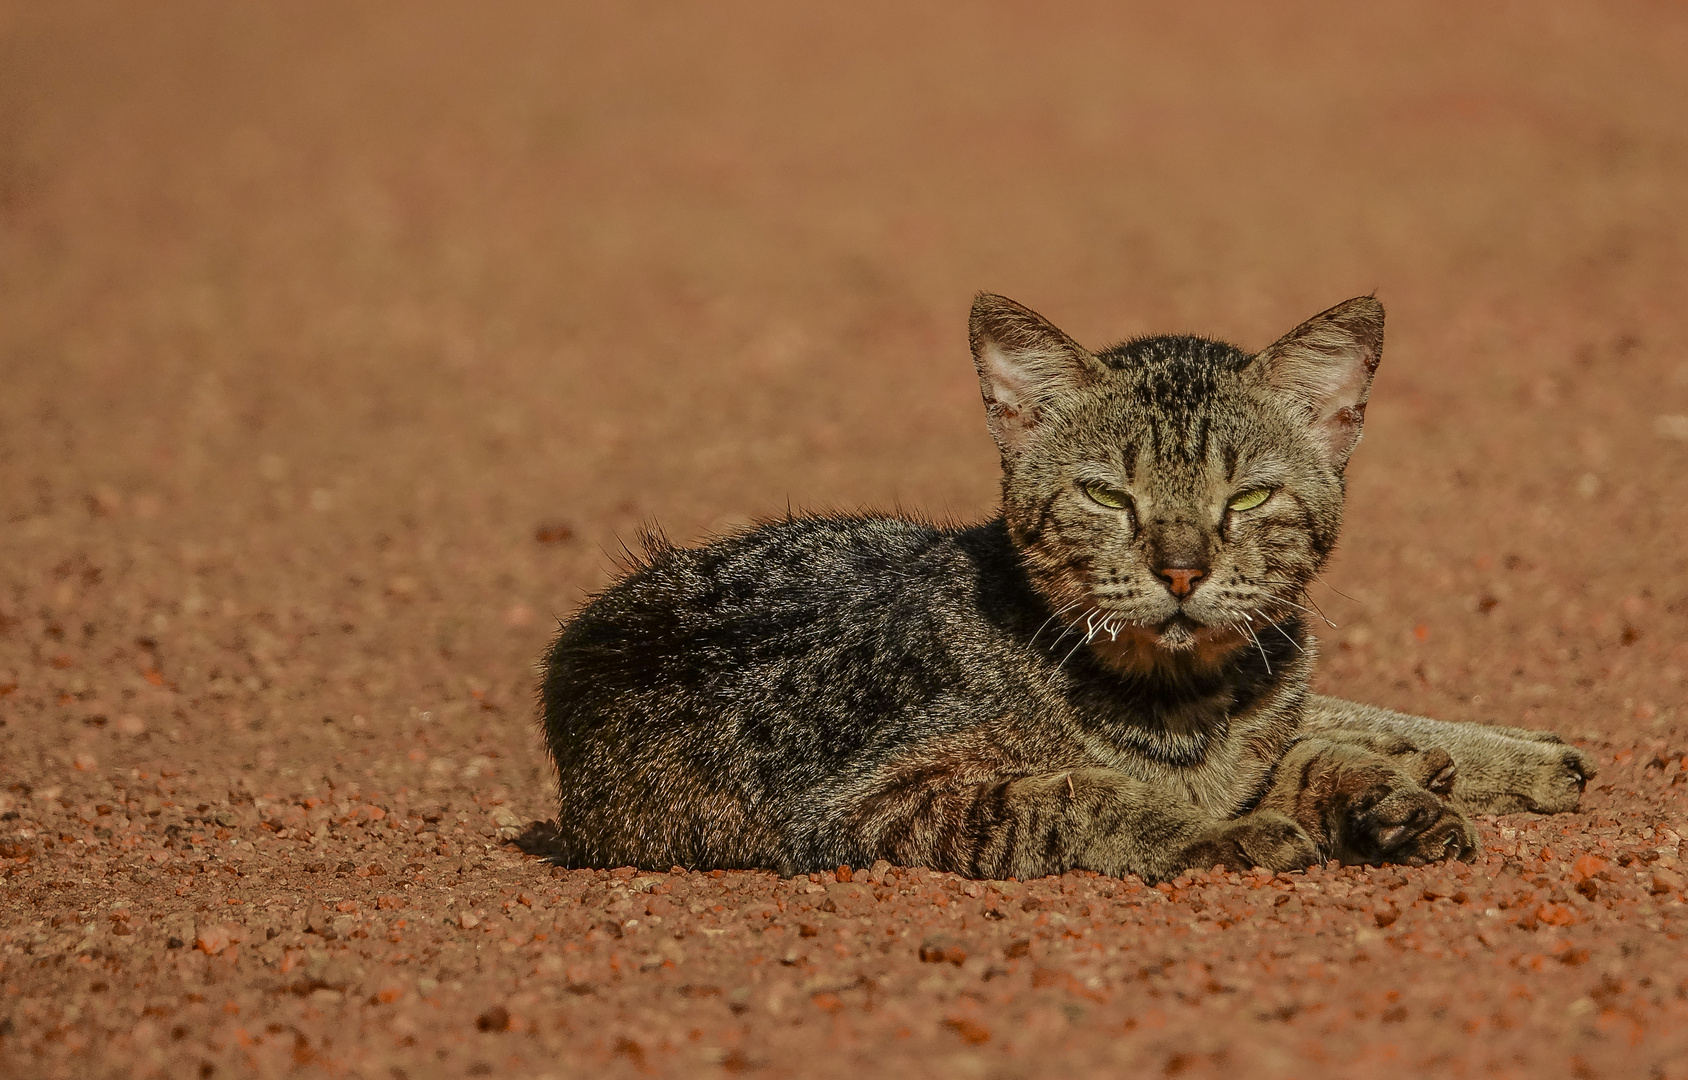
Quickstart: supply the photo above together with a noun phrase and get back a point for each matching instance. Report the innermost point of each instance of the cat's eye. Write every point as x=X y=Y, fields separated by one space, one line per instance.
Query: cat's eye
x=1103 y=495
x=1248 y=500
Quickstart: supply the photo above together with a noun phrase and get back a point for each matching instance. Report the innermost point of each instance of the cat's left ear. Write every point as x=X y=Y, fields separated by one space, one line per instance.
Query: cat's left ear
x=1323 y=371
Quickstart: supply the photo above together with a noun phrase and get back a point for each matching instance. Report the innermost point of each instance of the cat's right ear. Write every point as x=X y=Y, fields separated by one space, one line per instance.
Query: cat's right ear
x=1025 y=365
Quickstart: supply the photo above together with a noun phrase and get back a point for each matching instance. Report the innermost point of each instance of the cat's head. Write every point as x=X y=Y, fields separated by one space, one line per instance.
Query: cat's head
x=1173 y=495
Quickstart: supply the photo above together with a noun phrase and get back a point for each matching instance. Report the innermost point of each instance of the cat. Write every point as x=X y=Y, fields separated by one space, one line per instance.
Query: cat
x=1111 y=675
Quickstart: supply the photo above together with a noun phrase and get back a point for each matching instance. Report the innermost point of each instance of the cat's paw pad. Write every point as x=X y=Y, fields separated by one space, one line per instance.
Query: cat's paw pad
x=1392 y=821
x=1264 y=838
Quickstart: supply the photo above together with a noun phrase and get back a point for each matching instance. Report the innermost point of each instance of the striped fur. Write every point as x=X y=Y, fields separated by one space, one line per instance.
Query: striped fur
x=1112 y=674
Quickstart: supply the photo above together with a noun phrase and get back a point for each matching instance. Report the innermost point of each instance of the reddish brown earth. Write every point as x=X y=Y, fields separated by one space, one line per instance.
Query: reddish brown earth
x=343 y=345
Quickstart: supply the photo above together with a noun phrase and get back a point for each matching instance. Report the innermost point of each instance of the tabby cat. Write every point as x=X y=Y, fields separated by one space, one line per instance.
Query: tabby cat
x=1110 y=675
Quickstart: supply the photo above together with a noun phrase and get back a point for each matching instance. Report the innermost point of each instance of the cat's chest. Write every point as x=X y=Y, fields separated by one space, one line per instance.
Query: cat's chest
x=1221 y=757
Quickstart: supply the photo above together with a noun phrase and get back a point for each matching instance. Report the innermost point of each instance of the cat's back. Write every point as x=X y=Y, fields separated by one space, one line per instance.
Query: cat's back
x=794 y=566
x=759 y=585
x=794 y=601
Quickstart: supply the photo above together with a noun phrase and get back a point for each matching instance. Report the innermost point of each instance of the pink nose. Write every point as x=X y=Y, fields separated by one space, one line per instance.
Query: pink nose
x=1181 y=580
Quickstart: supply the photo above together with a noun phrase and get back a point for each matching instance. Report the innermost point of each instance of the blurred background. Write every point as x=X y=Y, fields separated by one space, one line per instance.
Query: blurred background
x=344 y=345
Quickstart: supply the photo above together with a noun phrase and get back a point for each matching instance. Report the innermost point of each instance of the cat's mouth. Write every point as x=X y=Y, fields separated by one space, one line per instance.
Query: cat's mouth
x=1179 y=641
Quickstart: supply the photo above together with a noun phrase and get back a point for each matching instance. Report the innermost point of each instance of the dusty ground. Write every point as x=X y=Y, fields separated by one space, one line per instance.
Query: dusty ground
x=342 y=346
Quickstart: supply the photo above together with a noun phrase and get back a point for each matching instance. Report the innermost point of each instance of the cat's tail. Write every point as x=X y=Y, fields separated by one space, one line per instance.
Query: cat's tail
x=543 y=839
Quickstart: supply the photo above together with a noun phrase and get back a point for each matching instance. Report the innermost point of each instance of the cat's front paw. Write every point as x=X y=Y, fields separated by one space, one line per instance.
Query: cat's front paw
x=1391 y=818
x=1264 y=838
x=1433 y=769
x=1560 y=780
x=1366 y=806
x=1539 y=777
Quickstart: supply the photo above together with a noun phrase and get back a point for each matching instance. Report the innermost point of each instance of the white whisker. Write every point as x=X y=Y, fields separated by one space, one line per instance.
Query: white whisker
x=1084 y=639
x=1336 y=590
x=1310 y=611
x=1260 y=647
x=1052 y=617
x=1287 y=638
x=1066 y=629
x=1301 y=591
x=1316 y=608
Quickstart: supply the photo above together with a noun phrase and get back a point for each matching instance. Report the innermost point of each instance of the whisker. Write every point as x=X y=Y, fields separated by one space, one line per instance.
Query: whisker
x=1052 y=617
x=1066 y=629
x=1261 y=647
x=1067 y=657
x=1316 y=607
x=1337 y=591
x=1301 y=590
x=1287 y=637
x=1310 y=611
x=1082 y=642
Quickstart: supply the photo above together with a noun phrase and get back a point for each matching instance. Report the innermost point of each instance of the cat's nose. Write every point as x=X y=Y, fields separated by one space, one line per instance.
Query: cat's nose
x=1180 y=579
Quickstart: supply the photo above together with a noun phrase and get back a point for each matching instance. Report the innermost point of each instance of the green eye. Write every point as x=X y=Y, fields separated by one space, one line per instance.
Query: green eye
x=1248 y=500
x=1105 y=495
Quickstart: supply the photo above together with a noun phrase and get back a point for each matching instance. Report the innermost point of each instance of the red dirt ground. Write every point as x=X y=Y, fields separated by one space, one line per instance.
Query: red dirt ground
x=342 y=345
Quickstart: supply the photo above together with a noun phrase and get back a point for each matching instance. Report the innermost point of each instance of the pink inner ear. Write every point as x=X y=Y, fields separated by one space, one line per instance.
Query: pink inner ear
x=1323 y=370
x=1007 y=392
x=1011 y=427
x=1341 y=431
x=1026 y=365
x=1010 y=384
x=1018 y=382
x=1327 y=390
x=1338 y=393
x=1346 y=382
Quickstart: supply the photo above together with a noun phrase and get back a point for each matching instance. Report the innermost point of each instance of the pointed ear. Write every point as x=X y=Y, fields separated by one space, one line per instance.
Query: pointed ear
x=1025 y=365
x=1323 y=371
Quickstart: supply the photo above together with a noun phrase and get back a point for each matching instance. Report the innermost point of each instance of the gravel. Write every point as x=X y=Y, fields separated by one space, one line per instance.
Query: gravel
x=344 y=350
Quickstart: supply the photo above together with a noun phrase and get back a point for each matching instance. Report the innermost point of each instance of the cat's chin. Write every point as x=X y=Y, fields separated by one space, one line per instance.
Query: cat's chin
x=1180 y=642
x=1177 y=635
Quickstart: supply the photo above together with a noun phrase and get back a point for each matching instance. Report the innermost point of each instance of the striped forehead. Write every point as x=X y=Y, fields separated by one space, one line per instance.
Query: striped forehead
x=1179 y=463
x=1169 y=387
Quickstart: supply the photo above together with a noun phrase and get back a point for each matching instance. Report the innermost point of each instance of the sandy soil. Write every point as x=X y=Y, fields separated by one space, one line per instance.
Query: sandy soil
x=343 y=346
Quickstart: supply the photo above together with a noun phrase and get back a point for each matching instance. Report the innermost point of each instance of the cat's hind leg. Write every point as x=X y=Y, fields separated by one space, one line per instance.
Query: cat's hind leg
x=1498 y=770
